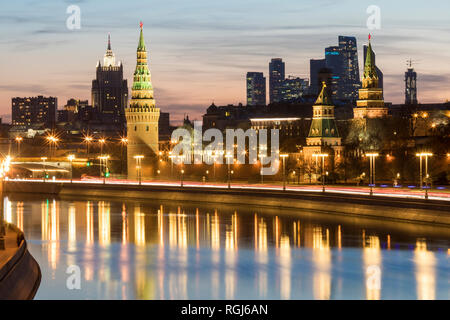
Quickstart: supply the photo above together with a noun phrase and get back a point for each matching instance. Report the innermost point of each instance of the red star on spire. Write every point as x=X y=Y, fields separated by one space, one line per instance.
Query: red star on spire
x=370 y=36
x=141 y=24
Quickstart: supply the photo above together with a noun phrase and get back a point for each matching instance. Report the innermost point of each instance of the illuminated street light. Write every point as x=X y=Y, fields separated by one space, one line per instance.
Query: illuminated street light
x=102 y=142
x=104 y=161
x=228 y=156
x=182 y=176
x=421 y=156
x=284 y=156
x=123 y=144
x=43 y=161
x=171 y=167
x=139 y=168
x=52 y=140
x=71 y=158
x=323 y=156
x=372 y=157
x=19 y=141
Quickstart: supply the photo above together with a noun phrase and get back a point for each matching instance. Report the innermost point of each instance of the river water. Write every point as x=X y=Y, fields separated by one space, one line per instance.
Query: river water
x=109 y=249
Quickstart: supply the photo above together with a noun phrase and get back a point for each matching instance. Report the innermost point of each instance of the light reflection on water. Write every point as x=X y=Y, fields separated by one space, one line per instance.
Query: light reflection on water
x=133 y=250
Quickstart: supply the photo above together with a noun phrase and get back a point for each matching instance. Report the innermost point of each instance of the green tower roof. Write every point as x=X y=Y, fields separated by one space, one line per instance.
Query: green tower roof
x=369 y=67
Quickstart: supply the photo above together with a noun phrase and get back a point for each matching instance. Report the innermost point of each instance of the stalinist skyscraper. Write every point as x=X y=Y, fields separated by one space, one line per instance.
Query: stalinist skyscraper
x=142 y=118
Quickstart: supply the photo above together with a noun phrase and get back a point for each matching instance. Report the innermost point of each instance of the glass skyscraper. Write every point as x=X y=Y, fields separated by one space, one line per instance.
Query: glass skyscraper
x=256 y=89
x=276 y=78
x=410 y=86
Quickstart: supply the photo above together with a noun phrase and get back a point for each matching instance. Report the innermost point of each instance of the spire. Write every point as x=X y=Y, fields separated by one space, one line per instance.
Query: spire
x=323 y=99
x=369 y=67
x=141 y=46
x=109 y=42
x=142 y=90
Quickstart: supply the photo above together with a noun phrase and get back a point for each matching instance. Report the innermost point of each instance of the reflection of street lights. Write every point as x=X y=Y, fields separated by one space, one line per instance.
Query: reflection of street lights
x=228 y=156
x=426 y=155
x=323 y=156
x=43 y=161
x=71 y=158
x=139 y=168
x=284 y=156
x=19 y=141
x=372 y=157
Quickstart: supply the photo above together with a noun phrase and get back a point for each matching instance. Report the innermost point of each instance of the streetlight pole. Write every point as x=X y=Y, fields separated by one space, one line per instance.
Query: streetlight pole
x=284 y=156
x=182 y=177
x=139 y=168
x=261 y=156
x=372 y=157
x=426 y=155
x=19 y=141
x=43 y=160
x=71 y=158
x=228 y=157
x=323 y=156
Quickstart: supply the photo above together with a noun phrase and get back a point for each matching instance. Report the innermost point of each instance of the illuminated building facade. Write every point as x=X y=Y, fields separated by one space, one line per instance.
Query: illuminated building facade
x=110 y=91
x=410 y=86
x=34 y=111
x=276 y=78
x=256 y=89
x=142 y=117
x=370 y=104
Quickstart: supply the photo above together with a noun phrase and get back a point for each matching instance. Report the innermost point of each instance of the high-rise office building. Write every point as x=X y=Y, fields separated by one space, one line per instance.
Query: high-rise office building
x=378 y=71
x=276 y=77
x=34 y=111
x=315 y=65
x=342 y=61
x=256 y=89
x=410 y=86
x=350 y=81
x=293 y=88
x=110 y=91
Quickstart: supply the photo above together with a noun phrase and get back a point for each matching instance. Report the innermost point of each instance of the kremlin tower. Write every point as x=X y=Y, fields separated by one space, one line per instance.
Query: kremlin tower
x=370 y=104
x=142 y=118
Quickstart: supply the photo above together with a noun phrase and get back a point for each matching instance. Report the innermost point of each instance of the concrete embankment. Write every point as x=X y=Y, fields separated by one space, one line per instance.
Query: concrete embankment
x=378 y=207
x=20 y=275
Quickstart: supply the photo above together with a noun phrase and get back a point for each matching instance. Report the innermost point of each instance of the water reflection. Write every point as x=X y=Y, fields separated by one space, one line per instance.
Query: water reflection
x=167 y=251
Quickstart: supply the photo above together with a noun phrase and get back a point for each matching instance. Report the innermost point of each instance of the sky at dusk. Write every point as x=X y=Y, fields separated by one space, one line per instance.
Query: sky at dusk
x=200 y=50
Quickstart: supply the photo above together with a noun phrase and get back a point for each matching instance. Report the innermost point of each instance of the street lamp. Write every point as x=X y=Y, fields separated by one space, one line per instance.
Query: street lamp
x=261 y=156
x=106 y=170
x=123 y=143
x=102 y=142
x=52 y=140
x=71 y=158
x=19 y=141
x=182 y=176
x=228 y=156
x=87 y=140
x=43 y=161
x=284 y=156
x=421 y=156
x=171 y=166
x=372 y=157
x=323 y=156
x=139 y=168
